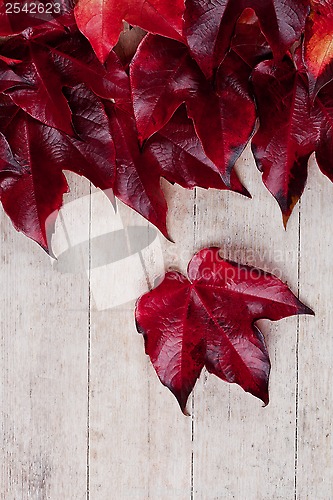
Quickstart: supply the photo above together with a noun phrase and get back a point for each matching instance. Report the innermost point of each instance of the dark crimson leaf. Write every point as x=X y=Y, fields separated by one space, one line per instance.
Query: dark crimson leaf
x=319 y=44
x=209 y=320
x=137 y=183
x=224 y=117
x=323 y=117
x=8 y=110
x=291 y=129
x=163 y=75
x=76 y=63
x=92 y=154
x=8 y=164
x=178 y=151
x=248 y=41
x=32 y=195
x=285 y=139
x=43 y=99
x=101 y=22
x=55 y=58
x=209 y=26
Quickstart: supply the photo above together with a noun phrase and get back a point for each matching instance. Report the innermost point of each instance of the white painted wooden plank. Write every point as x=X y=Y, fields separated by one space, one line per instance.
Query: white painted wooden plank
x=140 y=443
x=43 y=395
x=315 y=403
x=241 y=450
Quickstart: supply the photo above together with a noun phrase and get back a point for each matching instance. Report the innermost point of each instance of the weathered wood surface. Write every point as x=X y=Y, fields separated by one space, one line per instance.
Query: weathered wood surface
x=83 y=415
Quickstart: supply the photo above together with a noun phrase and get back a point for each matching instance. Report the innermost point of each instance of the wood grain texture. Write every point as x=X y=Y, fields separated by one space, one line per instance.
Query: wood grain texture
x=83 y=415
x=140 y=444
x=43 y=396
x=315 y=397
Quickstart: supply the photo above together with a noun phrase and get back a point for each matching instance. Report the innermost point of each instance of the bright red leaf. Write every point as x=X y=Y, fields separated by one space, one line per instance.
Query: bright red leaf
x=209 y=26
x=162 y=77
x=102 y=21
x=208 y=319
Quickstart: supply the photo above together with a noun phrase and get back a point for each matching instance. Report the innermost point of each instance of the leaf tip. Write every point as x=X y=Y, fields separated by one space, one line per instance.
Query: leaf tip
x=285 y=218
x=182 y=401
x=185 y=412
x=265 y=400
x=303 y=309
x=246 y=193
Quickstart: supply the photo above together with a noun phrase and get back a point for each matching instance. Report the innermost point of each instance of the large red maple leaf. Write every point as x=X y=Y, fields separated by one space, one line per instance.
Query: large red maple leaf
x=208 y=319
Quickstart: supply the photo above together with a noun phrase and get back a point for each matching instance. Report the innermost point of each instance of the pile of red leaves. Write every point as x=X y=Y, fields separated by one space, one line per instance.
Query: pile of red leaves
x=183 y=108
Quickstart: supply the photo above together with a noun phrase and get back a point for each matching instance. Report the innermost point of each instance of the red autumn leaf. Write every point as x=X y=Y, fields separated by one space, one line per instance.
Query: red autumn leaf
x=55 y=58
x=319 y=44
x=322 y=114
x=286 y=136
x=291 y=129
x=8 y=164
x=177 y=144
x=224 y=117
x=136 y=184
x=209 y=26
x=76 y=63
x=163 y=76
x=43 y=99
x=248 y=41
x=101 y=22
x=208 y=319
x=32 y=194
